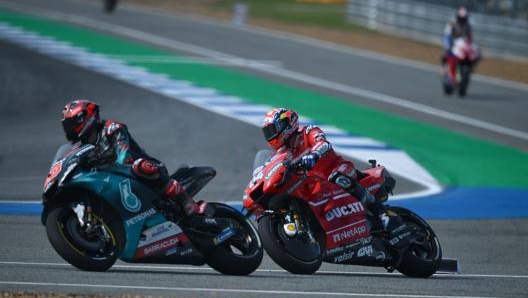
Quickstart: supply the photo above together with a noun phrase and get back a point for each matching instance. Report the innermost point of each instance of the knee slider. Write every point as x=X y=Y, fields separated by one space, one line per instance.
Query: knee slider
x=342 y=180
x=146 y=168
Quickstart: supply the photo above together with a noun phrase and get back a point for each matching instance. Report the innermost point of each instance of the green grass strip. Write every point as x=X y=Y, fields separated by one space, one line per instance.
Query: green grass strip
x=452 y=158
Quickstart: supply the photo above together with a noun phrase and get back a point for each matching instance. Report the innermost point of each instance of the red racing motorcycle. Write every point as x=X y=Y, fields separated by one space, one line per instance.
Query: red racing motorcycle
x=465 y=55
x=304 y=220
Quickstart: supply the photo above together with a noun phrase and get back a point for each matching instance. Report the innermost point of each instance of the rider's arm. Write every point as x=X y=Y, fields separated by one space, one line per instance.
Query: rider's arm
x=317 y=140
x=469 y=33
x=448 y=36
x=118 y=133
x=319 y=146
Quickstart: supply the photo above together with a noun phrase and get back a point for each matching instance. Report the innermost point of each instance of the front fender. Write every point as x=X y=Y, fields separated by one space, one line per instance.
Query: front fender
x=127 y=199
x=78 y=192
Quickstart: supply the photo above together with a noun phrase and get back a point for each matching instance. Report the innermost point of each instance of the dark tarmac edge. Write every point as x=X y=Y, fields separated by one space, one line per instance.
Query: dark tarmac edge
x=17 y=294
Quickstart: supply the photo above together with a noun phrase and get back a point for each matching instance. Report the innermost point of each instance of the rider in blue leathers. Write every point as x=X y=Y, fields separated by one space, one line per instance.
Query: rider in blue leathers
x=113 y=143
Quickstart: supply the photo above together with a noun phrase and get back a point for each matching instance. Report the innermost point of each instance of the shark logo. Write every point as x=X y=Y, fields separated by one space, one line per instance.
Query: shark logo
x=129 y=199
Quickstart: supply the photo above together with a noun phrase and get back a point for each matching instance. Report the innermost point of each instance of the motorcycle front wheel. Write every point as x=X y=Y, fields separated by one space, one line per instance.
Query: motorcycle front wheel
x=447 y=85
x=242 y=253
x=89 y=247
x=298 y=255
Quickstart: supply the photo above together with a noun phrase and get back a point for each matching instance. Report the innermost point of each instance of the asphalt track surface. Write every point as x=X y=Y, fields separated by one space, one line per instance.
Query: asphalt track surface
x=34 y=88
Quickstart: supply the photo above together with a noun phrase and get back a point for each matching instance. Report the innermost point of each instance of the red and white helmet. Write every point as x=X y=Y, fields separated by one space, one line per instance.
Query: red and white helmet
x=79 y=118
x=278 y=125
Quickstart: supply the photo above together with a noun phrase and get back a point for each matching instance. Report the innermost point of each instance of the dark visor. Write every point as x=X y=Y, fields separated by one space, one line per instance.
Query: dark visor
x=70 y=124
x=272 y=130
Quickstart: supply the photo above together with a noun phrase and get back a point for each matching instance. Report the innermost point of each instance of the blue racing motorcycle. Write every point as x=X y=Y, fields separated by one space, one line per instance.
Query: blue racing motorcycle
x=96 y=214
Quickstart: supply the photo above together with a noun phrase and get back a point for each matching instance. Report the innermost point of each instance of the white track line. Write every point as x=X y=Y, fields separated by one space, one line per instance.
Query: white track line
x=206 y=268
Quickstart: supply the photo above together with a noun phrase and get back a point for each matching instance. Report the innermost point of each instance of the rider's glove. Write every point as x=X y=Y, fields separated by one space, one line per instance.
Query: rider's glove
x=88 y=160
x=308 y=161
x=93 y=159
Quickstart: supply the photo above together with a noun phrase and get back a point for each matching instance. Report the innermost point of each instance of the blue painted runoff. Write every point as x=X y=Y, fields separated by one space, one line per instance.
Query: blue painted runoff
x=452 y=203
x=470 y=203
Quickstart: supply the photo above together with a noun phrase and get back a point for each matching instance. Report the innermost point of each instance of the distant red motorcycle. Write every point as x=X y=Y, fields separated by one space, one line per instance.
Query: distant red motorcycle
x=304 y=220
x=464 y=56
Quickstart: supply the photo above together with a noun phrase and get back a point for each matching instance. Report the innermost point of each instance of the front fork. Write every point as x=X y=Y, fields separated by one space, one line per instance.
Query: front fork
x=294 y=223
x=89 y=222
x=291 y=222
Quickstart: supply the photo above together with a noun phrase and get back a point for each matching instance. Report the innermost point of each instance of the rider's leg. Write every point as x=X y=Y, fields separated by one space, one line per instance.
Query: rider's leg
x=400 y=234
x=351 y=186
x=452 y=63
x=176 y=192
x=154 y=172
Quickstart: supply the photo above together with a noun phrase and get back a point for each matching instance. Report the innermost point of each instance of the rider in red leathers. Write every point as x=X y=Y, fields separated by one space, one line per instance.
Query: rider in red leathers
x=283 y=133
x=113 y=143
x=459 y=28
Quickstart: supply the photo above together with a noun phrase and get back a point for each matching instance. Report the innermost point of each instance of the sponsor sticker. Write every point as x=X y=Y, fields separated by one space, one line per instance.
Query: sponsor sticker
x=347 y=234
x=54 y=171
x=140 y=217
x=129 y=200
x=365 y=251
x=344 y=257
x=157 y=247
x=345 y=210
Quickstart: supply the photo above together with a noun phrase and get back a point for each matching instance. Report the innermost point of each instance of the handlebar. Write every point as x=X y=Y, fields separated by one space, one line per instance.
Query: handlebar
x=294 y=163
x=292 y=167
x=93 y=159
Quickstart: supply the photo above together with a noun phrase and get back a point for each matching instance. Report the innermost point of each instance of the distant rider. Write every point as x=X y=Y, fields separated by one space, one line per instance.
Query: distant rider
x=113 y=143
x=453 y=30
x=110 y=5
x=284 y=134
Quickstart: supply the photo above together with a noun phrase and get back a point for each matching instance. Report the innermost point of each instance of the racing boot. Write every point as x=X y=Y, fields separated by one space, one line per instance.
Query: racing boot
x=400 y=234
x=176 y=193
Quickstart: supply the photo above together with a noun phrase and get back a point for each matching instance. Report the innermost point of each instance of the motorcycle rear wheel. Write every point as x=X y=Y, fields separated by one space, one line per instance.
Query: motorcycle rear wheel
x=423 y=258
x=295 y=255
x=90 y=252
